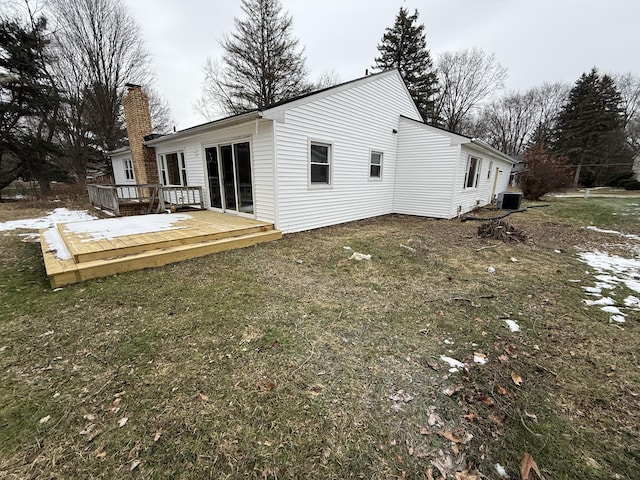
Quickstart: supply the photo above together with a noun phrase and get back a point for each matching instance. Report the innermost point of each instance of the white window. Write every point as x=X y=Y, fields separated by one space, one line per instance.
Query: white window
x=375 y=165
x=473 y=172
x=173 y=169
x=319 y=163
x=128 y=169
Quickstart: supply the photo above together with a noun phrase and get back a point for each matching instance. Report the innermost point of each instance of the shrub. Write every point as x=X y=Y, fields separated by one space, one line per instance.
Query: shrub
x=543 y=173
x=631 y=185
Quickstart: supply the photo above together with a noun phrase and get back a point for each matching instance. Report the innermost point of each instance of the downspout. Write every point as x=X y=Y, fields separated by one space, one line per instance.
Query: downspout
x=276 y=198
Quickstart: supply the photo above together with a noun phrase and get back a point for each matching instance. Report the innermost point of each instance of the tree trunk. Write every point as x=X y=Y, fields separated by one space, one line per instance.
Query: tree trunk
x=45 y=186
x=576 y=177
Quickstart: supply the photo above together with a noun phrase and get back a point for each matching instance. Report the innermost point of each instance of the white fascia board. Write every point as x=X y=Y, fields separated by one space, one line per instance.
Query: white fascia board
x=485 y=147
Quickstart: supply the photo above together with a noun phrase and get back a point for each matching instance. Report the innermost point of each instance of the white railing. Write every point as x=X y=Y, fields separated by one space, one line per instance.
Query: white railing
x=158 y=197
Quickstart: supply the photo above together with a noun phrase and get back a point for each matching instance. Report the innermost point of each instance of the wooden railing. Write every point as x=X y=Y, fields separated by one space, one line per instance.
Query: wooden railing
x=158 y=197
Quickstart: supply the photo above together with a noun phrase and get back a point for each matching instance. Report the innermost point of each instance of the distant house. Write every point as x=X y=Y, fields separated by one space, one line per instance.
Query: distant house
x=353 y=151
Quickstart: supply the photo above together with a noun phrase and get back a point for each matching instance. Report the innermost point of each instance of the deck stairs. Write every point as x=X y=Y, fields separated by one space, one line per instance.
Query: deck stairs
x=196 y=234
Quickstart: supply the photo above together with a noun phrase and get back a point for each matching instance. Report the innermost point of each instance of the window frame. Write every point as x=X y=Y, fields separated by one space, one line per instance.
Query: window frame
x=328 y=164
x=129 y=173
x=472 y=174
x=181 y=169
x=379 y=165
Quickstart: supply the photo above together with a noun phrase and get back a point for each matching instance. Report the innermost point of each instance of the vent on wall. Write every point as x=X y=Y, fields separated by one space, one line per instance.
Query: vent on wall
x=509 y=200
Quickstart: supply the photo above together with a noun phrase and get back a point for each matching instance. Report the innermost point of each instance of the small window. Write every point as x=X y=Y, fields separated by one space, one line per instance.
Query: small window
x=128 y=169
x=320 y=164
x=489 y=170
x=473 y=172
x=173 y=168
x=375 y=165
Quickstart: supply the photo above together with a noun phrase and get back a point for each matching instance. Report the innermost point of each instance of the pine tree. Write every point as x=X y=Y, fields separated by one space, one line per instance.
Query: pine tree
x=590 y=130
x=404 y=47
x=262 y=64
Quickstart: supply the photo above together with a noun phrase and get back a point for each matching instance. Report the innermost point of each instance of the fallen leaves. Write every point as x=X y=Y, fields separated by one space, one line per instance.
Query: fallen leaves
x=517 y=379
x=122 y=422
x=157 y=436
x=45 y=419
x=526 y=465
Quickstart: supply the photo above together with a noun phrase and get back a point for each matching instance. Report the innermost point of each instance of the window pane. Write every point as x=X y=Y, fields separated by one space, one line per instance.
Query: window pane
x=228 y=183
x=319 y=173
x=471 y=174
x=242 y=155
x=173 y=172
x=375 y=171
x=376 y=158
x=214 y=179
x=319 y=154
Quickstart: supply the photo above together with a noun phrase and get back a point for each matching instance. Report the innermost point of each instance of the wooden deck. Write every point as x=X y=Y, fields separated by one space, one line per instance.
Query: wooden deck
x=101 y=248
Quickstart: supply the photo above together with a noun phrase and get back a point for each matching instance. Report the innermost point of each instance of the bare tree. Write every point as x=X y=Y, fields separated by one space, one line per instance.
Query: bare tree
x=467 y=79
x=510 y=122
x=103 y=49
x=327 y=79
x=262 y=64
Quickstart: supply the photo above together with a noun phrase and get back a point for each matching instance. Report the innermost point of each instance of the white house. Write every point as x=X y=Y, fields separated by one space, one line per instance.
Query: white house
x=353 y=151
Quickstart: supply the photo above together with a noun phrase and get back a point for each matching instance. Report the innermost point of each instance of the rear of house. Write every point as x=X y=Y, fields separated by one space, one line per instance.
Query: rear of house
x=353 y=151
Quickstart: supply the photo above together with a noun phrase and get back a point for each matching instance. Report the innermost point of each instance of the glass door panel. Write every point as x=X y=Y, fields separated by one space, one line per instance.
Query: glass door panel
x=214 y=177
x=228 y=177
x=242 y=156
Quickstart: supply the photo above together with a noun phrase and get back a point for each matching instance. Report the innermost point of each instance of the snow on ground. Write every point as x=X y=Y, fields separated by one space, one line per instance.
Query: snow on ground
x=59 y=215
x=614 y=232
x=453 y=363
x=612 y=271
x=513 y=325
x=111 y=228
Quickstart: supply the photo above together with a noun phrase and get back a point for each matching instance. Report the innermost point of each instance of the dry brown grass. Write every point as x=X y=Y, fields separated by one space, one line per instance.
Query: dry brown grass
x=252 y=364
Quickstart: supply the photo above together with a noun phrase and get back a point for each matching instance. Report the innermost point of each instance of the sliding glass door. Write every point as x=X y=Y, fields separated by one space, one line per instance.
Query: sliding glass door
x=230 y=179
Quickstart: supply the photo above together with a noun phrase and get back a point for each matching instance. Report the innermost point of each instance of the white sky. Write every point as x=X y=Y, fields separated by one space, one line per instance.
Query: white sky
x=537 y=40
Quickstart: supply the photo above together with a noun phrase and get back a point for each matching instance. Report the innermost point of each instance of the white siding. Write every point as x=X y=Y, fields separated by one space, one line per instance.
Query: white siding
x=466 y=199
x=354 y=121
x=117 y=161
x=260 y=137
x=425 y=171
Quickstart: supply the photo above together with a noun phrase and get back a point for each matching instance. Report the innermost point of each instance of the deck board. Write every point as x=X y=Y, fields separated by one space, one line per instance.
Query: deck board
x=96 y=253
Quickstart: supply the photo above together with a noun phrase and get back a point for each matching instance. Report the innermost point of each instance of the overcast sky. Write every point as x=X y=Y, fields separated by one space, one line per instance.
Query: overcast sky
x=537 y=40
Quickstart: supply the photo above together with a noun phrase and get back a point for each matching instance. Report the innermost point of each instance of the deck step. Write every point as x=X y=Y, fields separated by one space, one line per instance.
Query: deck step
x=116 y=247
x=66 y=272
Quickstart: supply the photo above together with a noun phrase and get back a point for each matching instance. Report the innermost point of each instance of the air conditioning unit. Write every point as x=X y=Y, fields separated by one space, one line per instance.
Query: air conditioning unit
x=509 y=201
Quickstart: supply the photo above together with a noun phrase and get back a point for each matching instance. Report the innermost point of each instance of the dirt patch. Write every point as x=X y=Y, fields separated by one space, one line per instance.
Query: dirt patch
x=500 y=230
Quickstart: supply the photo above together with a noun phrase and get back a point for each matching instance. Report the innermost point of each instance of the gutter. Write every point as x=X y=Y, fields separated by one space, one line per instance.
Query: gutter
x=206 y=127
x=485 y=146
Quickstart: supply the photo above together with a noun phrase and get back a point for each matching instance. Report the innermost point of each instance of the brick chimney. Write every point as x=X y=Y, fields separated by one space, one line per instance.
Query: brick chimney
x=138 y=119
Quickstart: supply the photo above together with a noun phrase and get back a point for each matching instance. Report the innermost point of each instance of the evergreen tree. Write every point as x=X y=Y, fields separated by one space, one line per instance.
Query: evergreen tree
x=590 y=130
x=404 y=47
x=262 y=64
x=29 y=101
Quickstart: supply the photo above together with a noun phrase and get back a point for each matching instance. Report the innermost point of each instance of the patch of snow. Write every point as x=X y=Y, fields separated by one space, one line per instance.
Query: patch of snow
x=491 y=269
x=613 y=310
x=453 y=363
x=618 y=318
x=59 y=215
x=359 y=256
x=501 y=471
x=632 y=302
x=346 y=247
x=600 y=301
x=55 y=243
x=110 y=228
x=513 y=325
x=614 y=232
x=593 y=290
x=479 y=359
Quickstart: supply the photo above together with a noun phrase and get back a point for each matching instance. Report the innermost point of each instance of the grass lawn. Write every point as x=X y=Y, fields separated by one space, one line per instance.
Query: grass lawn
x=288 y=360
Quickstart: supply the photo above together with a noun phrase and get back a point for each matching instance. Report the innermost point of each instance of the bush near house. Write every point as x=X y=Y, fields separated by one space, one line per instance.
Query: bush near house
x=543 y=173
